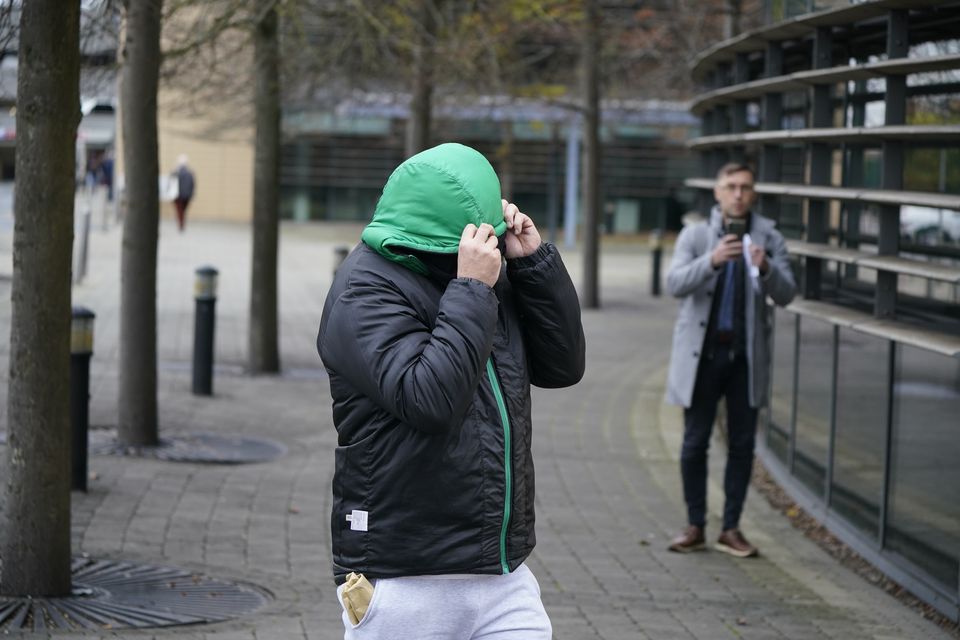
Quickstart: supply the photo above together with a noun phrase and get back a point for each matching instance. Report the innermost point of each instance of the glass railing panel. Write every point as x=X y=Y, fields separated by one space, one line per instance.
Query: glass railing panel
x=923 y=522
x=862 y=402
x=814 y=381
x=781 y=401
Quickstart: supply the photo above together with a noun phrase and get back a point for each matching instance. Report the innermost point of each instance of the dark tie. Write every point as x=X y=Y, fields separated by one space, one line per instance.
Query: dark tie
x=725 y=316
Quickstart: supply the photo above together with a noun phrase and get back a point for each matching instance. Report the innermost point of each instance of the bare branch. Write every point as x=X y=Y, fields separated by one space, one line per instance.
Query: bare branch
x=9 y=19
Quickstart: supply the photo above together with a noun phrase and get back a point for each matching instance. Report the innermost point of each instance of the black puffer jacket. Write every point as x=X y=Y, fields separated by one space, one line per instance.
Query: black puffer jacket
x=431 y=400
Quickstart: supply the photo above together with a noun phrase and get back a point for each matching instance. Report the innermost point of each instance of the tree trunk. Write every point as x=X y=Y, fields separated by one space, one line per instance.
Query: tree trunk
x=591 y=153
x=421 y=99
x=137 y=406
x=553 y=184
x=264 y=352
x=35 y=531
x=505 y=159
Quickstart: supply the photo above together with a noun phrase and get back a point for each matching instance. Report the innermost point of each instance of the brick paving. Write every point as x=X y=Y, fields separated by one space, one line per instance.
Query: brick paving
x=608 y=494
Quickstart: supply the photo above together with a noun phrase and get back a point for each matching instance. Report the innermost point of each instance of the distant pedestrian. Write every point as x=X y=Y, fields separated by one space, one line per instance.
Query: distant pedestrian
x=431 y=344
x=106 y=174
x=723 y=269
x=186 y=184
x=91 y=173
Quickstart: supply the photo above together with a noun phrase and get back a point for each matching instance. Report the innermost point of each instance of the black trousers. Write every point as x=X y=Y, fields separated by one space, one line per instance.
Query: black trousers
x=719 y=375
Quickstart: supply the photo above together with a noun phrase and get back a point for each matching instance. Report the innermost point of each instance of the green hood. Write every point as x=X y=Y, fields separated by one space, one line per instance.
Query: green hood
x=429 y=199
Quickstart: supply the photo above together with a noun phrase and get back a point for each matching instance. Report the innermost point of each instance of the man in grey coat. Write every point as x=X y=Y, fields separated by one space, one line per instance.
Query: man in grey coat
x=723 y=270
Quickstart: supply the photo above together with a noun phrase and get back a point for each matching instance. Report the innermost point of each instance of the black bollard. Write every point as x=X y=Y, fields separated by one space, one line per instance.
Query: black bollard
x=656 y=242
x=81 y=349
x=205 y=294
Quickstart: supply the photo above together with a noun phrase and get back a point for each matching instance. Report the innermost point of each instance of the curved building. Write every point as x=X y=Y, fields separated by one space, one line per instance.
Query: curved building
x=851 y=112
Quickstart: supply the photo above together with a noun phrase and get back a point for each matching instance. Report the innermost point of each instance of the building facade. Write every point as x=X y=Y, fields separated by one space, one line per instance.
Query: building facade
x=851 y=112
x=336 y=160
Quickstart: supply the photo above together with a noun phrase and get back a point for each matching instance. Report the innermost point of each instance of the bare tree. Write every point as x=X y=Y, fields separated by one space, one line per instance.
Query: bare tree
x=206 y=59
x=206 y=63
x=421 y=98
x=622 y=48
x=403 y=48
x=590 y=95
x=9 y=24
x=137 y=402
x=35 y=536
x=264 y=356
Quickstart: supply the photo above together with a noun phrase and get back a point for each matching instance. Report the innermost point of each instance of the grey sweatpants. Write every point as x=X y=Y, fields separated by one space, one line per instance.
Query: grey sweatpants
x=459 y=607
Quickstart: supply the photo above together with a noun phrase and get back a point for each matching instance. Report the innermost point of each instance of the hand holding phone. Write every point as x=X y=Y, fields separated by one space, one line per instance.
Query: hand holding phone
x=737 y=227
x=730 y=246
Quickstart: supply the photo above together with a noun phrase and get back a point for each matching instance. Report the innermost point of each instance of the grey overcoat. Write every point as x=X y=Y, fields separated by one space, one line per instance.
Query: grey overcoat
x=692 y=278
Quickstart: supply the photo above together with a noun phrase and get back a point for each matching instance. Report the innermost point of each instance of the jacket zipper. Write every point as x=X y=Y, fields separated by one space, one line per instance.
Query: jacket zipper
x=508 y=476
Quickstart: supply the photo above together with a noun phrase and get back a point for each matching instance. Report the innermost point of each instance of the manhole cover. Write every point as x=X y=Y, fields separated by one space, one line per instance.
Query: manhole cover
x=120 y=595
x=200 y=447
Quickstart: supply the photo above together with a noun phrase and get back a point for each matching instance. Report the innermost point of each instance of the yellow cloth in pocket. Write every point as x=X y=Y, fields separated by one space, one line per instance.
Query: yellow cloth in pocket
x=357 y=592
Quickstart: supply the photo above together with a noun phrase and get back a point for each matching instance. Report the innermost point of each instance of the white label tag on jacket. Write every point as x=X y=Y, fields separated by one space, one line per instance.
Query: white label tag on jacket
x=357 y=520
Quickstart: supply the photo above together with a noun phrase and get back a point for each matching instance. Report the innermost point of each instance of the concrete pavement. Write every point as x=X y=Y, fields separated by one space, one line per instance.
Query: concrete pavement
x=608 y=494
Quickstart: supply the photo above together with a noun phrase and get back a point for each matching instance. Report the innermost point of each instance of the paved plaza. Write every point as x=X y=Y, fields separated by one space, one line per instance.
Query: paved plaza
x=608 y=486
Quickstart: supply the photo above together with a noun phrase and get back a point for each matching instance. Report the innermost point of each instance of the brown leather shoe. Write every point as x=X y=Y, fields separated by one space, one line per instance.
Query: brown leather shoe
x=690 y=540
x=732 y=541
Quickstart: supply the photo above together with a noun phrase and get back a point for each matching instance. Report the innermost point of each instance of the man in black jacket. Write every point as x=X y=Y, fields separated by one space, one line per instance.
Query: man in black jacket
x=186 y=183
x=431 y=344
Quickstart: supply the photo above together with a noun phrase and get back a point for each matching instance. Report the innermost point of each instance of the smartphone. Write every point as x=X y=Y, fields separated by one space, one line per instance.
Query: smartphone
x=737 y=226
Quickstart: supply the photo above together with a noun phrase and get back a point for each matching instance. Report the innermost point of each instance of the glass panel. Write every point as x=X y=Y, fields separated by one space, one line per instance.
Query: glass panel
x=781 y=401
x=921 y=168
x=814 y=379
x=925 y=474
x=862 y=400
x=930 y=227
x=778 y=442
x=934 y=108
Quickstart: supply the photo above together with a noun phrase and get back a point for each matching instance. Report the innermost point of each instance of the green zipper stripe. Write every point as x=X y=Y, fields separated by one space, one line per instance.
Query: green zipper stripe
x=498 y=394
